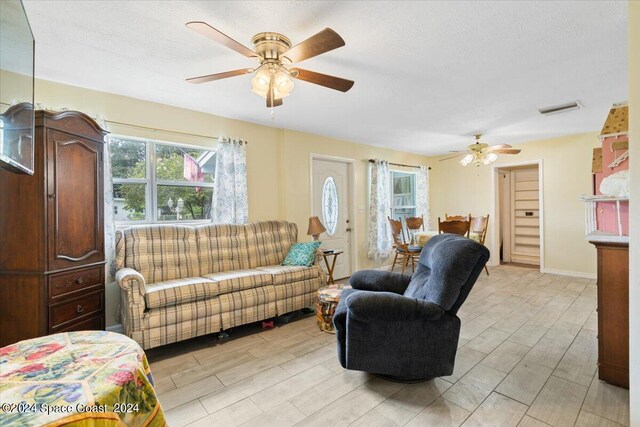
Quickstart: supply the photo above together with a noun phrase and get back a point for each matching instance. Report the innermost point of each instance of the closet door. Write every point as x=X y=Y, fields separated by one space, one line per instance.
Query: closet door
x=74 y=200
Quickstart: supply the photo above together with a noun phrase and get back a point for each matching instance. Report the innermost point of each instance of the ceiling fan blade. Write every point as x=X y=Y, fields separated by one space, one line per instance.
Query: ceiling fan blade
x=325 y=80
x=506 y=151
x=218 y=76
x=453 y=157
x=325 y=41
x=208 y=31
x=498 y=147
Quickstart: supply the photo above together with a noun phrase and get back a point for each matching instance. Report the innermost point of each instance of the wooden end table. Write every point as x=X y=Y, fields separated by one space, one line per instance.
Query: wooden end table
x=328 y=299
x=331 y=267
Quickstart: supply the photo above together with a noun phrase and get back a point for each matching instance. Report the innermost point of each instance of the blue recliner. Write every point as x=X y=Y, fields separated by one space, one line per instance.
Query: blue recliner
x=403 y=327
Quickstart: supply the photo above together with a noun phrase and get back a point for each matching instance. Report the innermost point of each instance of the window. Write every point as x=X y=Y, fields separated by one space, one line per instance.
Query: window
x=403 y=194
x=330 y=206
x=160 y=182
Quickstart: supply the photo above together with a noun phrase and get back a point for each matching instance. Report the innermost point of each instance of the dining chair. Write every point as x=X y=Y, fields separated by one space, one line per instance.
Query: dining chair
x=407 y=253
x=478 y=231
x=448 y=217
x=461 y=227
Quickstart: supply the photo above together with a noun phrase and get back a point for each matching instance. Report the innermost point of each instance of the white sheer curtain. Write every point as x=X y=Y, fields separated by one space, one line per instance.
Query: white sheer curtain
x=109 y=223
x=380 y=241
x=422 y=196
x=230 y=203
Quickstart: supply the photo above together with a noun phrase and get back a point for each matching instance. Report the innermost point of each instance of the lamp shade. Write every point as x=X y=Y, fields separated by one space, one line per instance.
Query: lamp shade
x=315 y=226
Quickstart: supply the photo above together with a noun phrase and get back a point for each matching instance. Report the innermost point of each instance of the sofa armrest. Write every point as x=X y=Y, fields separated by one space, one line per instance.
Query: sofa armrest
x=380 y=281
x=390 y=307
x=130 y=280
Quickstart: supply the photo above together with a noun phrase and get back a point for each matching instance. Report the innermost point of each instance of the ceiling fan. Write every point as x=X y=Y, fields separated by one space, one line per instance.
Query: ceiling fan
x=480 y=153
x=273 y=78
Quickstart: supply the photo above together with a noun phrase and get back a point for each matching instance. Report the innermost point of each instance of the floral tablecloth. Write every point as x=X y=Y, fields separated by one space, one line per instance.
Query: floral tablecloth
x=88 y=378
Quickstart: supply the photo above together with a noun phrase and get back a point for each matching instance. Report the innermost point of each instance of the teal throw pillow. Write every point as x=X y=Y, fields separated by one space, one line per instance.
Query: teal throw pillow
x=302 y=254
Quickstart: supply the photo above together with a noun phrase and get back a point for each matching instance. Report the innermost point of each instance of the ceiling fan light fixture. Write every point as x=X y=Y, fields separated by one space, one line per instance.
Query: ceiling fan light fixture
x=490 y=158
x=283 y=82
x=466 y=159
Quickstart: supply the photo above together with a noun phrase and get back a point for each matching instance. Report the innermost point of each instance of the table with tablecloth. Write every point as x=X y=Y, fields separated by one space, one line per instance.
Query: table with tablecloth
x=87 y=378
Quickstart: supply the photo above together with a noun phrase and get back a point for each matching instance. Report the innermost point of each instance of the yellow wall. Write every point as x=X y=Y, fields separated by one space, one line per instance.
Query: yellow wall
x=634 y=146
x=277 y=159
x=567 y=174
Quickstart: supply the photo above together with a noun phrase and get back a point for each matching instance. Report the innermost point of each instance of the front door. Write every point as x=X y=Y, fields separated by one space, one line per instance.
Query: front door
x=331 y=203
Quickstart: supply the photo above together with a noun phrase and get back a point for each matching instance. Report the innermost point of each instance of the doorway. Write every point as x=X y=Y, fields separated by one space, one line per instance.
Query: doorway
x=332 y=202
x=519 y=213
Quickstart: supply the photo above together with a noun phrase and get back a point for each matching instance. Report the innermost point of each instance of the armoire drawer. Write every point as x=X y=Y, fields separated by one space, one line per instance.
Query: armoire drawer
x=94 y=323
x=72 y=281
x=75 y=308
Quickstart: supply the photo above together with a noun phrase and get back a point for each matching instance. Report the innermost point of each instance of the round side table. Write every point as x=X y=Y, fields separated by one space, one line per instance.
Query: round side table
x=328 y=299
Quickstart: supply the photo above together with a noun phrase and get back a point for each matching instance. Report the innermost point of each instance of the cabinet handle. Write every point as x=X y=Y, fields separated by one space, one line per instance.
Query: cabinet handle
x=52 y=196
x=79 y=309
x=79 y=281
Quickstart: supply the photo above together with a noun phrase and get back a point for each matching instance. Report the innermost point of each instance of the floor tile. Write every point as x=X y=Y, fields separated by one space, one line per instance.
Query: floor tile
x=524 y=382
x=487 y=341
x=506 y=356
x=180 y=396
x=498 y=411
x=292 y=386
x=580 y=361
x=234 y=415
x=441 y=413
x=243 y=389
x=282 y=415
x=587 y=419
x=185 y=414
x=608 y=401
x=410 y=400
x=559 y=402
x=472 y=389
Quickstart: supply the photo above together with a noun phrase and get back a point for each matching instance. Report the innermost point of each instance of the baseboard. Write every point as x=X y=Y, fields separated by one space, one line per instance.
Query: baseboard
x=116 y=328
x=580 y=274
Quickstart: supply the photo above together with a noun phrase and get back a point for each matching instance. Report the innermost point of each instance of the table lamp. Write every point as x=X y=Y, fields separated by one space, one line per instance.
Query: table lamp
x=315 y=227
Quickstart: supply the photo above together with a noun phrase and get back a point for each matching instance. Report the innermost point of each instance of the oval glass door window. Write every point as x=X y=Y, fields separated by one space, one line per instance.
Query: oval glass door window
x=330 y=206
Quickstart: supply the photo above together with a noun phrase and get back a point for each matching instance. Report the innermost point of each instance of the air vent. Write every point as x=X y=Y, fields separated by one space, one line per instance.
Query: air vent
x=556 y=109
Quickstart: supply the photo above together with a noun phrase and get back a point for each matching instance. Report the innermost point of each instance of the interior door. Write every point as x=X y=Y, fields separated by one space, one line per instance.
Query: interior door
x=525 y=216
x=74 y=196
x=331 y=203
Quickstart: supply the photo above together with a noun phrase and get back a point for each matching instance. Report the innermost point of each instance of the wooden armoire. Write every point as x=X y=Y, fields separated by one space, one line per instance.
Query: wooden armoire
x=52 y=234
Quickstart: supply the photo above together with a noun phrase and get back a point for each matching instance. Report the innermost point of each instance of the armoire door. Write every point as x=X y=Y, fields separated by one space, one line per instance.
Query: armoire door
x=74 y=200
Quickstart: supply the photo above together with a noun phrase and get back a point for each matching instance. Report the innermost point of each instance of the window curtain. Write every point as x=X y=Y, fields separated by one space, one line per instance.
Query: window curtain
x=109 y=222
x=230 y=203
x=422 y=196
x=380 y=241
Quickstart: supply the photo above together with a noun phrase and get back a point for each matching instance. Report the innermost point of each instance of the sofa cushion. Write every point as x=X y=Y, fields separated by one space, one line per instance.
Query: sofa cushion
x=269 y=241
x=289 y=274
x=162 y=252
x=179 y=291
x=222 y=247
x=237 y=280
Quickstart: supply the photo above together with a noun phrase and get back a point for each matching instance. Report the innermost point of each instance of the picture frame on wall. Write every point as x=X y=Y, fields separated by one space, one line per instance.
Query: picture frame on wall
x=17 y=69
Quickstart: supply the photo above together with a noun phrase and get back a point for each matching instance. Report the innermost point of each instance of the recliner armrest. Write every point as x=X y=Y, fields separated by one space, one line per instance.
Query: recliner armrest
x=387 y=306
x=380 y=281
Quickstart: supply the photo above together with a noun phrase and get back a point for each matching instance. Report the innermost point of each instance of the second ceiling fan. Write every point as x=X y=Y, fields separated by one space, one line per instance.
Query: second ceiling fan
x=273 y=79
x=480 y=153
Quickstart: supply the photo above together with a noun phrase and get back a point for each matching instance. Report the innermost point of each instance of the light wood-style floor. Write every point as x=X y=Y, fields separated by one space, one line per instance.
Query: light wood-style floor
x=527 y=357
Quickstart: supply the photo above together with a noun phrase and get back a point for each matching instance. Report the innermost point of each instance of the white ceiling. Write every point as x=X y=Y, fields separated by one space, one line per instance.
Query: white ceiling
x=428 y=74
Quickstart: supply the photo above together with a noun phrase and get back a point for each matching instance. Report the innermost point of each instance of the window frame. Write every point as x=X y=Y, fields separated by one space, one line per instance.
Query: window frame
x=393 y=206
x=151 y=182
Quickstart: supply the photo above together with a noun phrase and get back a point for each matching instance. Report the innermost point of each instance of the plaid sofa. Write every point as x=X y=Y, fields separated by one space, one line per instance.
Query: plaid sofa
x=179 y=282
